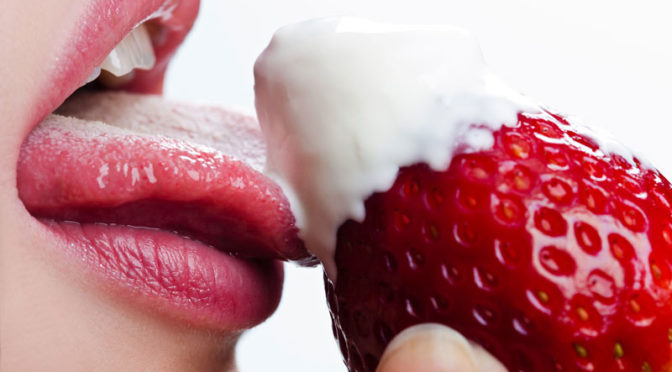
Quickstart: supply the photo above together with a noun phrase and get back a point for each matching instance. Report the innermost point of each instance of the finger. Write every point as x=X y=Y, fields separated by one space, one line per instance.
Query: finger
x=485 y=361
x=435 y=348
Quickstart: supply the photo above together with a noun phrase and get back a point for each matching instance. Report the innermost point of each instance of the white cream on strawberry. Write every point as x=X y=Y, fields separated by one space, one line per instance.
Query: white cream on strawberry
x=345 y=102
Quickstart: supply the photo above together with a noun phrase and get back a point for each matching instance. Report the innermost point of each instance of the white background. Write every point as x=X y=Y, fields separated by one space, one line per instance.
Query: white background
x=607 y=62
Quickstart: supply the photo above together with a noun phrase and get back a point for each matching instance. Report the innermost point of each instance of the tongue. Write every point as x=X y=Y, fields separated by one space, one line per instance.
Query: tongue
x=101 y=159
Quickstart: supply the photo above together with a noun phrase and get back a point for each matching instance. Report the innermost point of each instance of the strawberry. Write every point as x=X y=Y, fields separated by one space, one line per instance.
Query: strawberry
x=547 y=250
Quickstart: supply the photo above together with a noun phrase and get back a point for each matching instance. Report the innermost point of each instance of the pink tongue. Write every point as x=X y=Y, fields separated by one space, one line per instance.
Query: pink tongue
x=199 y=178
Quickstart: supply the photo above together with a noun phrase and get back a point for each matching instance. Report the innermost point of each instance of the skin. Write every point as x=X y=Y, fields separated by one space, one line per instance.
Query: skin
x=435 y=348
x=53 y=318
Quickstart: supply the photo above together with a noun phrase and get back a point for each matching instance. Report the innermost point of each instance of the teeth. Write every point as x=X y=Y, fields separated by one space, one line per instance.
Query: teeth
x=135 y=51
x=94 y=75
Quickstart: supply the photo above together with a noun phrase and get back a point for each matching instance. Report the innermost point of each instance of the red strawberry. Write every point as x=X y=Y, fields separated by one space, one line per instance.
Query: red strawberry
x=548 y=252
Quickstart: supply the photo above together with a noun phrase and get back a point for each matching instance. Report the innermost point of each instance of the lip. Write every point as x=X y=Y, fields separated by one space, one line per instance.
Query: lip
x=200 y=240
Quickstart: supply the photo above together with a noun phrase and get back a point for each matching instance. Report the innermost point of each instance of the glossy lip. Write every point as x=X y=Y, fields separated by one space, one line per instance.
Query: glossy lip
x=183 y=278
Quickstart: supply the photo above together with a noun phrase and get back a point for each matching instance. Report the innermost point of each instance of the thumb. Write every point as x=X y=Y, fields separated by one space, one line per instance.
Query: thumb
x=435 y=348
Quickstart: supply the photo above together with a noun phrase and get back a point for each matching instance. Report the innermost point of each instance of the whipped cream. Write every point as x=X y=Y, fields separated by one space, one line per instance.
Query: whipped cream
x=345 y=102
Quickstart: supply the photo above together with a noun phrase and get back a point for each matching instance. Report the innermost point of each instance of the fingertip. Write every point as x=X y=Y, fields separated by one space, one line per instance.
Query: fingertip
x=428 y=347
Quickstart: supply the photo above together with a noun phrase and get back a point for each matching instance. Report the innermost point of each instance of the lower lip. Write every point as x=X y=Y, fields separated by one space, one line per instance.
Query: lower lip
x=172 y=275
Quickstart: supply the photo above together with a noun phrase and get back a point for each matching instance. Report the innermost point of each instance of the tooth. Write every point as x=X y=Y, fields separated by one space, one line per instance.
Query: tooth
x=134 y=51
x=94 y=75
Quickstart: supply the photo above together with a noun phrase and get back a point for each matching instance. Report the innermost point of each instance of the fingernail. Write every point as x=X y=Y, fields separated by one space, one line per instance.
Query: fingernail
x=428 y=347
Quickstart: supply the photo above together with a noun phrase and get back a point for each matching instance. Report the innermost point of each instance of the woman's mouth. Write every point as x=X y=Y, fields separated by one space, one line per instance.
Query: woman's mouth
x=101 y=25
x=163 y=202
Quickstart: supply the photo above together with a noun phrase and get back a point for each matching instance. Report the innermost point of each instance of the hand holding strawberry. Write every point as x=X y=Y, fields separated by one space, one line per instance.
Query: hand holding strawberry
x=435 y=348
